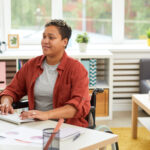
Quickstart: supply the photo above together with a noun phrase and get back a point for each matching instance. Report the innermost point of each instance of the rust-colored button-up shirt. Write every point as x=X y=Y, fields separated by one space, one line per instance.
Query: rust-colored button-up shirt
x=71 y=86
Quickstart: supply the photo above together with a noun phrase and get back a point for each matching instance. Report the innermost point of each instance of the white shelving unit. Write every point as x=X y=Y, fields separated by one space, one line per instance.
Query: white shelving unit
x=104 y=67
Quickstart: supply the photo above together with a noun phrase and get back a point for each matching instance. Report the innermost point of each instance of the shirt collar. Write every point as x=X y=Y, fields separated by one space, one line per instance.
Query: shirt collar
x=62 y=64
x=63 y=61
x=41 y=61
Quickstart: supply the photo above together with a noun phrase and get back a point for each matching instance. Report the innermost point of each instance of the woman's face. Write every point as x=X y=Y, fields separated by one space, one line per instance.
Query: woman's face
x=52 y=42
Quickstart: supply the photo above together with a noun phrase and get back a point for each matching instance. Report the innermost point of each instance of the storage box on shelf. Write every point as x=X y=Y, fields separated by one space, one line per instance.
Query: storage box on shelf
x=102 y=102
x=98 y=63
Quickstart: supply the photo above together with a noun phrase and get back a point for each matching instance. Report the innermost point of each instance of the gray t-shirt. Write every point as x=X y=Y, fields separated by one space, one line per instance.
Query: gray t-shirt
x=44 y=85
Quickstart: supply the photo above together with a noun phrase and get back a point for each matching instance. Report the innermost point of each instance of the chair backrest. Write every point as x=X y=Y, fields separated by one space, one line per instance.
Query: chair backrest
x=20 y=104
x=91 y=116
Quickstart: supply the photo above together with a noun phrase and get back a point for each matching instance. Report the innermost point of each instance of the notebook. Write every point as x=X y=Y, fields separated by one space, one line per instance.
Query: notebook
x=68 y=132
x=14 y=118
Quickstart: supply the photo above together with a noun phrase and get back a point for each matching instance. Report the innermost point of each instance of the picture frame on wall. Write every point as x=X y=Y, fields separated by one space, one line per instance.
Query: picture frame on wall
x=13 y=41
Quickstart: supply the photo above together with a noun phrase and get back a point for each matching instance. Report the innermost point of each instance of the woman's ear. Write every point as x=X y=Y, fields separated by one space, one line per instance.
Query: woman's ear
x=65 y=42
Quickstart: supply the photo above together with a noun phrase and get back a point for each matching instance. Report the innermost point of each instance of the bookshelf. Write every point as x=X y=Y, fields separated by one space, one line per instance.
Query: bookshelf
x=104 y=72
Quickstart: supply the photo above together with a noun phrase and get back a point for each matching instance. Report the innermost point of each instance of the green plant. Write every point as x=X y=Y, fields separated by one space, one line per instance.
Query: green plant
x=148 y=33
x=82 y=38
x=14 y=40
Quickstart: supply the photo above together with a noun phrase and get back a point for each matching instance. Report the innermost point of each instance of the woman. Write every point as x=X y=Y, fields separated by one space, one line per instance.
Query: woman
x=56 y=84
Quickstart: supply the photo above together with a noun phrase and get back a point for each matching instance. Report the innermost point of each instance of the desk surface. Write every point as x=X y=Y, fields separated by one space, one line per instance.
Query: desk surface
x=91 y=139
x=142 y=100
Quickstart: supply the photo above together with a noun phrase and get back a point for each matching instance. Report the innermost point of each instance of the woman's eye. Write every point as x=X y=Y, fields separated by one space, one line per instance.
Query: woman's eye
x=51 y=38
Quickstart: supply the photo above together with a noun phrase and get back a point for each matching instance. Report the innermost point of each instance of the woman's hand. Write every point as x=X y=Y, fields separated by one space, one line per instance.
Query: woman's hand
x=6 y=105
x=34 y=114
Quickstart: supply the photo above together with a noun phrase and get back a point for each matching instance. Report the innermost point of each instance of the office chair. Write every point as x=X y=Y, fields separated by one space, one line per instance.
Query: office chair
x=20 y=104
x=90 y=117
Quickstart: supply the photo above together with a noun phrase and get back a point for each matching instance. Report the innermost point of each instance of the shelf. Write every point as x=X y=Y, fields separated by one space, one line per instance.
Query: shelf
x=145 y=121
x=26 y=54
x=103 y=118
x=16 y=54
x=90 y=54
x=104 y=60
x=100 y=84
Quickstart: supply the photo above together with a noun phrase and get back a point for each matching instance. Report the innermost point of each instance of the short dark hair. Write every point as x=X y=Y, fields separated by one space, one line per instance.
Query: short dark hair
x=64 y=29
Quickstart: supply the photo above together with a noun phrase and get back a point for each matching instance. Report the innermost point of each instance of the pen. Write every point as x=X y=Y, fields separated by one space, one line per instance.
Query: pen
x=55 y=130
x=2 y=137
x=76 y=136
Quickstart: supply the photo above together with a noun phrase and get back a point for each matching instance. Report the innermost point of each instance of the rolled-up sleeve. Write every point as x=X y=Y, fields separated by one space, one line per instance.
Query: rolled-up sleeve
x=80 y=98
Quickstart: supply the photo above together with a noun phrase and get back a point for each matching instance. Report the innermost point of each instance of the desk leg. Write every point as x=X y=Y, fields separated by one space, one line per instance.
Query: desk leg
x=134 y=119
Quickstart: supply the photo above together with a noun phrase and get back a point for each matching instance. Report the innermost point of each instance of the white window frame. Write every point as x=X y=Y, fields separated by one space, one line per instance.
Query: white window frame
x=5 y=7
x=118 y=19
x=57 y=9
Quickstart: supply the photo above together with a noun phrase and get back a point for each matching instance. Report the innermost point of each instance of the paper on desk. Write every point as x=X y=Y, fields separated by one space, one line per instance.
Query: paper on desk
x=9 y=144
x=24 y=135
x=30 y=135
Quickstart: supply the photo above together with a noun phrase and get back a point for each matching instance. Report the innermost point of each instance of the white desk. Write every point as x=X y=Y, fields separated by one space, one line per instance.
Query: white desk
x=141 y=100
x=89 y=140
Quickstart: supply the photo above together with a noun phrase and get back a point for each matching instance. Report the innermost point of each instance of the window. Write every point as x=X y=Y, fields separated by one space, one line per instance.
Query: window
x=0 y=29
x=106 y=21
x=137 y=18
x=1 y=21
x=94 y=17
x=28 y=18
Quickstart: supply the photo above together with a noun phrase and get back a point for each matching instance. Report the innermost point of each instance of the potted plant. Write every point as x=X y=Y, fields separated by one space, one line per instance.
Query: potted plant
x=148 y=37
x=82 y=40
